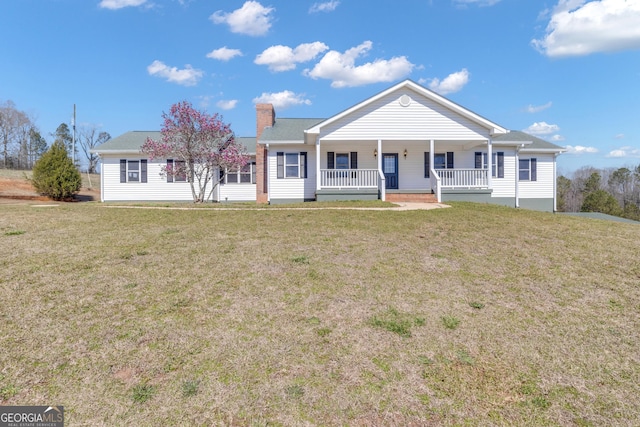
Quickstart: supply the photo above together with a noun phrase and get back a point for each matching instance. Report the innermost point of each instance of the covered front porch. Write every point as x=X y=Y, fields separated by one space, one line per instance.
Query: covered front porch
x=400 y=170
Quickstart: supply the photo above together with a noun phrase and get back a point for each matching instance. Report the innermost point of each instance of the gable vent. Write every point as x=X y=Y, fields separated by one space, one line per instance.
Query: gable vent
x=405 y=100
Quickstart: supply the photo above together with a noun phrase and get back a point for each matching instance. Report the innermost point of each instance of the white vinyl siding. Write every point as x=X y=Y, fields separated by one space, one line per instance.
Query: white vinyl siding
x=237 y=193
x=292 y=188
x=387 y=119
x=156 y=187
x=542 y=188
x=502 y=187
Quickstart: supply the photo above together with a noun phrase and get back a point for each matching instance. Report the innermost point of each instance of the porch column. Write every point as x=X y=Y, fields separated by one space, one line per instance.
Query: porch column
x=432 y=148
x=318 y=177
x=383 y=190
x=490 y=163
x=518 y=176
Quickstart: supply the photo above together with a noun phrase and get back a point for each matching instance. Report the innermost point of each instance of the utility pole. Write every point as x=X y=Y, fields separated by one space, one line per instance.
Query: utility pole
x=73 y=146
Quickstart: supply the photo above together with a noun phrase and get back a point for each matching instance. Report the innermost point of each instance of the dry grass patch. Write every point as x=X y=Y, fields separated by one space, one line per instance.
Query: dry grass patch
x=136 y=317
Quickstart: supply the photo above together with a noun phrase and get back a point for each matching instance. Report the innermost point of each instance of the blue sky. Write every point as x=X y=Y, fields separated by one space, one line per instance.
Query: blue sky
x=567 y=71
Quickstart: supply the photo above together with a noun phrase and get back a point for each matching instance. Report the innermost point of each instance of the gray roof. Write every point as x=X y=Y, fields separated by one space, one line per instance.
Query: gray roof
x=536 y=143
x=288 y=130
x=131 y=142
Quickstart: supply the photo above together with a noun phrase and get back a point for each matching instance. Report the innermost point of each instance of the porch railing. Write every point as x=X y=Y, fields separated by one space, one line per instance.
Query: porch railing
x=349 y=178
x=463 y=178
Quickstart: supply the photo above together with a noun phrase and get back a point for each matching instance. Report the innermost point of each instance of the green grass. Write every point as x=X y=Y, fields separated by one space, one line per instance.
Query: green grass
x=320 y=317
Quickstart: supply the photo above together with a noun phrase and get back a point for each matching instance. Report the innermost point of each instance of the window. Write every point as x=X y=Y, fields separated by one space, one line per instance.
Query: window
x=133 y=170
x=440 y=161
x=528 y=170
x=342 y=160
x=291 y=165
x=177 y=165
x=497 y=163
x=246 y=175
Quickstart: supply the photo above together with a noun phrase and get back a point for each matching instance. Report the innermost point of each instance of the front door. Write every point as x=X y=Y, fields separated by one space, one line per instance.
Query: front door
x=390 y=170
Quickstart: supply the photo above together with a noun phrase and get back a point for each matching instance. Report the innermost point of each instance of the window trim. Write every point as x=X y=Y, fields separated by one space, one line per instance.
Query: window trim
x=178 y=178
x=448 y=161
x=532 y=169
x=332 y=159
x=281 y=164
x=497 y=164
x=238 y=175
x=125 y=171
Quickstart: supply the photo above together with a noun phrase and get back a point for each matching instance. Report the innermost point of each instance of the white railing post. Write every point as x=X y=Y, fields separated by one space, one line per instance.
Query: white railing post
x=489 y=162
x=436 y=182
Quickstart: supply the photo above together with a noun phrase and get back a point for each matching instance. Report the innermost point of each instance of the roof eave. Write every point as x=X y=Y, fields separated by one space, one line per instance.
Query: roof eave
x=543 y=150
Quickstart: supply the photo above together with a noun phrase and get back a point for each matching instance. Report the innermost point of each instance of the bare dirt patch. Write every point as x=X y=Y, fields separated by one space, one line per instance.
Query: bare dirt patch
x=19 y=190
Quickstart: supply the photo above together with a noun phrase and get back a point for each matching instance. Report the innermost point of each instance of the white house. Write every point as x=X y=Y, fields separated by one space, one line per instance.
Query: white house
x=128 y=175
x=406 y=143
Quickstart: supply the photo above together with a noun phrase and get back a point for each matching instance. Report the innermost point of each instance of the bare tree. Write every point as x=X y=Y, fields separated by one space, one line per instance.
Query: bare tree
x=89 y=139
x=13 y=122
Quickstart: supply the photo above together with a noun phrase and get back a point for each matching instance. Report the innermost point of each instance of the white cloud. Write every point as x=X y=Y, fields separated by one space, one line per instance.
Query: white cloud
x=283 y=58
x=341 y=68
x=557 y=138
x=119 y=4
x=626 y=151
x=252 y=19
x=282 y=100
x=579 y=149
x=188 y=76
x=224 y=53
x=542 y=128
x=476 y=2
x=454 y=82
x=619 y=136
x=578 y=28
x=537 y=108
x=227 y=104
x=328 y=6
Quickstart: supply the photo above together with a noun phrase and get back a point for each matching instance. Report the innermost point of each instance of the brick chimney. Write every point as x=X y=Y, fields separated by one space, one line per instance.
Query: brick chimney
x=265 y=117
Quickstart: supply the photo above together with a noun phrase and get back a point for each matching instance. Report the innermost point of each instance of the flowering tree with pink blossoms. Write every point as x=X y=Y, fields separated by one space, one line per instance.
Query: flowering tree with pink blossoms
x=202 y=147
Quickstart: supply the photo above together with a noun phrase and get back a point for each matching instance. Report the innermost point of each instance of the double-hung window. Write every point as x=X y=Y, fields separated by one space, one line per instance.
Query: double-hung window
x=497 y=163
x=528 y=169
x=246 y=175
x=342 y=161
x=440 y=161
x=176 y=171
x=291 y=165
x=133 y=170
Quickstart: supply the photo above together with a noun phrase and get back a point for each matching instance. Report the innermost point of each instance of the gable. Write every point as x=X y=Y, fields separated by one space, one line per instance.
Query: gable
x=407 y=112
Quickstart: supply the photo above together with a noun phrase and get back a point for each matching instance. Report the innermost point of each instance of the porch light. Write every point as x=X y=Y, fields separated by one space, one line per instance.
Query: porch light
x=375 y=152
x=405 y=153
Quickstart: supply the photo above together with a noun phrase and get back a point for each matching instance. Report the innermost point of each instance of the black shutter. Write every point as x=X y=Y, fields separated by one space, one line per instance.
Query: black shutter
x=354 y=160
x=500 y=164
x=534 y=170
x=123 y=170
x=169 y=167
x=143 y=170
x=303 y=164
x=478 y=160
x=427 y=167
x=449 y=159
x=331 y=157
x=280 y=157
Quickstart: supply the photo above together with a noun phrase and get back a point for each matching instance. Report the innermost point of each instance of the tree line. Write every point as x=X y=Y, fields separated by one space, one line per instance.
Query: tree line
x=611 y=191
x=22 y=143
